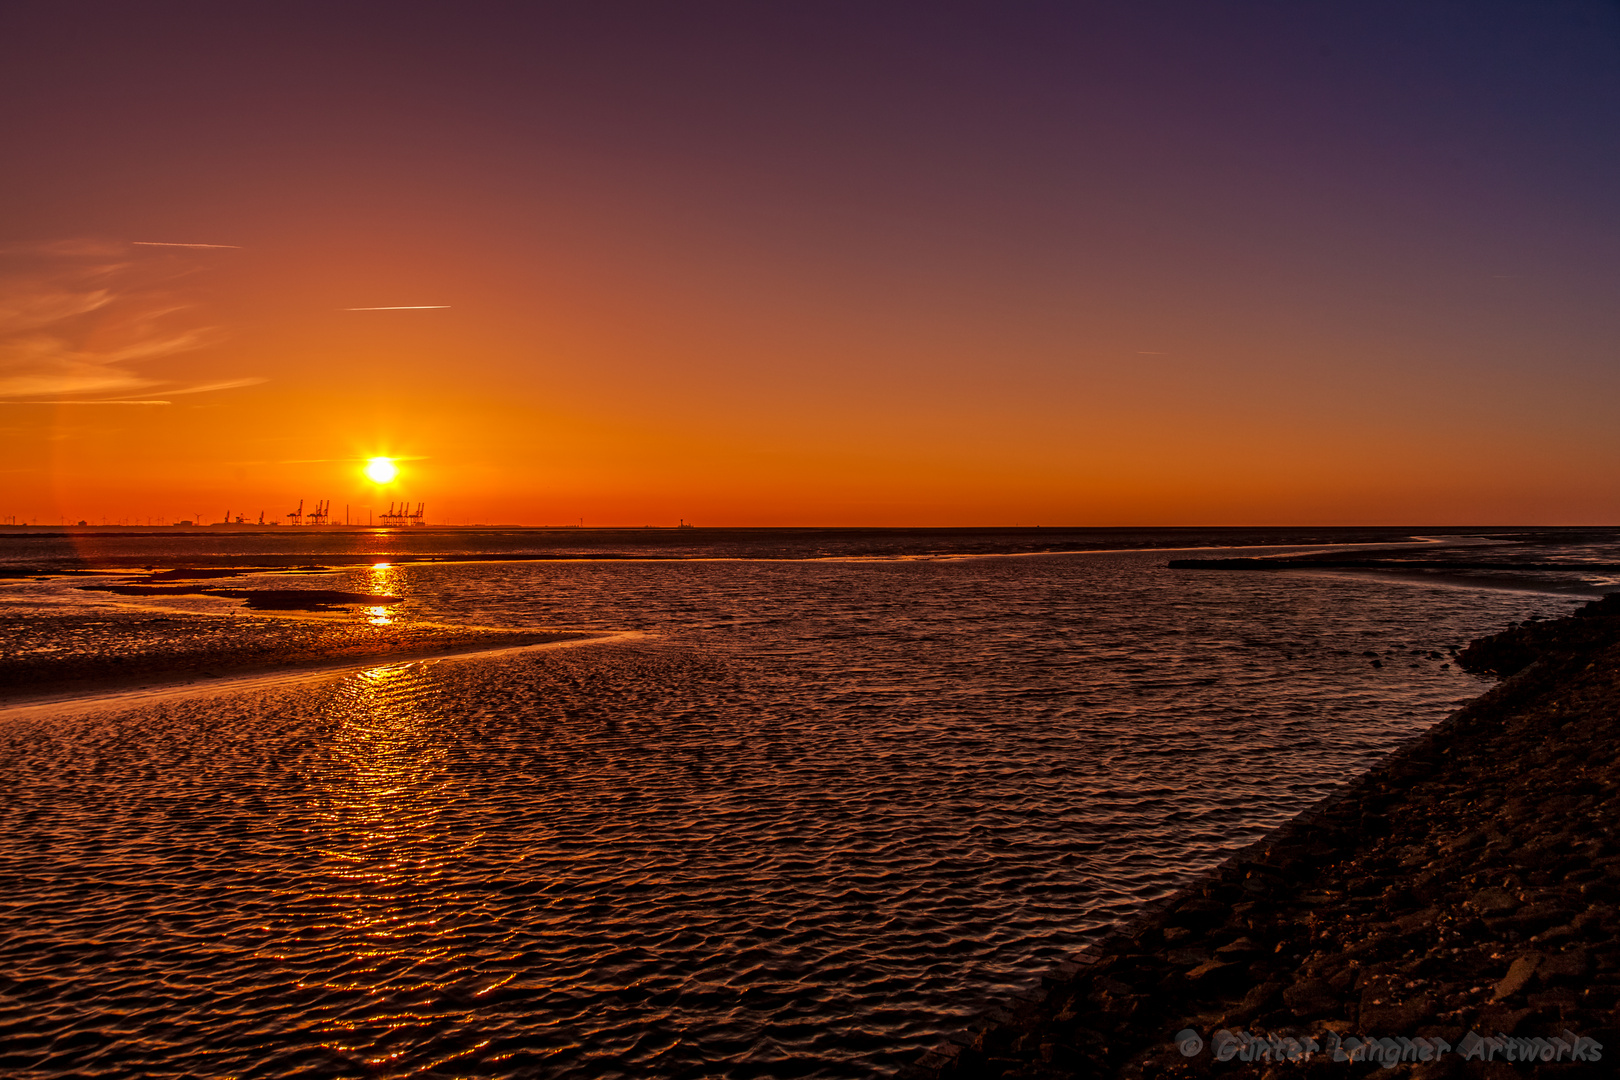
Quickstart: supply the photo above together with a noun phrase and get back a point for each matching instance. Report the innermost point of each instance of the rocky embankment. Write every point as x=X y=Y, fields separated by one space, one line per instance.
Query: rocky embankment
x=1453 y=906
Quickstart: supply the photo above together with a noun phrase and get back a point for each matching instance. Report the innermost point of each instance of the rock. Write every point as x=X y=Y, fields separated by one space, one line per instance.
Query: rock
x=1556 y=934
x=1264 y=971
x=1493 y=902
x=1607 y=607
x=1341 y=980
x=1198 y=914
x=1467 y=841
x=1261 y=996
x=1210 y=972
x=1540 y=916
x=1519 y=975
x=1592 y=917
x=1396 y=1018
x=1417 y=921
x=1565 y=966
x=1503 y=1021
x=1557 y=1000
x=1241 y=947
x=1311 y=998
x=1601 y=891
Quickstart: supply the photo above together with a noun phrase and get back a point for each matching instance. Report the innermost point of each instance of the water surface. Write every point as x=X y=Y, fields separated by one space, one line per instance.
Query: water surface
x=818 y=814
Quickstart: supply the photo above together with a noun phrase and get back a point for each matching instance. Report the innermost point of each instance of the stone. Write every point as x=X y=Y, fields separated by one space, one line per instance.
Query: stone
x=1493 y=902
x=1398 y=1017
x=1311 y=998
x=1519 y=974
x=1241 y=947
x=1208 y=971
x=1504 y=1021
x=1417 y=921
x=1261 y=996
x=1542 y=915
x=1565 y=966
x=1557 y=1000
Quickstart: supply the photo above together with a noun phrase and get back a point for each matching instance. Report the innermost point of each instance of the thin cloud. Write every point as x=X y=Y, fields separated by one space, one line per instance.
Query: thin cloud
x=402 y=307
x=80 y=248
x=103 y=401
x=163 y=243
x=23 y=309
x=77 y=318
x=208 y=388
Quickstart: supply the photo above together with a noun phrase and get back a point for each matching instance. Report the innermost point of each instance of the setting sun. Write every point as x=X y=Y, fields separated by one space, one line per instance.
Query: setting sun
x=381 y=470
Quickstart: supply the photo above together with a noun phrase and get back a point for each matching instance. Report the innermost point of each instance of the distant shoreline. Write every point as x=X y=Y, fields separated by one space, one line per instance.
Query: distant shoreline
x=39 y=551
x=710 y=531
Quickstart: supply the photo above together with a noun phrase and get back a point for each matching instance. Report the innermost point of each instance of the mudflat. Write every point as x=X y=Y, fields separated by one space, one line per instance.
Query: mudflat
x=46 y=654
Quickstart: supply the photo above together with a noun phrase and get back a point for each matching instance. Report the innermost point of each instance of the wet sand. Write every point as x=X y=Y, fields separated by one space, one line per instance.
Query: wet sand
x=1444 y=567
x=1465 y=891
x=48 y=655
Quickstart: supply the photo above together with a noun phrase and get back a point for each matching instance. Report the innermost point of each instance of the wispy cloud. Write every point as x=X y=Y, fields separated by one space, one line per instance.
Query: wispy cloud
x=101 y=401
x=208 y=388
x=403 y=307
x=78 y=318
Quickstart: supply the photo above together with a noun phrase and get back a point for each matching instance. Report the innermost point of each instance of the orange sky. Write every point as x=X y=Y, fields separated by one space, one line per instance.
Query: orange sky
x=1064 y=267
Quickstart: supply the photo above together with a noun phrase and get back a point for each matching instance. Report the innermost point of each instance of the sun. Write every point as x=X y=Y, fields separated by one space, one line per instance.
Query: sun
x=381 y=470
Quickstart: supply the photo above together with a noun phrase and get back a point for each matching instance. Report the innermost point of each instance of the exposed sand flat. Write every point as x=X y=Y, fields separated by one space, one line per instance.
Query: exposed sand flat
x=1469 y=884
x=50 y=655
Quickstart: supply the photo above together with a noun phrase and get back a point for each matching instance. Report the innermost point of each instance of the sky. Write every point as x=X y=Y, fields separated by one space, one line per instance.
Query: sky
x=1160 y=263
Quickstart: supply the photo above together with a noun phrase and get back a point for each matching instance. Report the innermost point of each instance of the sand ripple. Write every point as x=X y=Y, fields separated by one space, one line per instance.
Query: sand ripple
x=830 y=811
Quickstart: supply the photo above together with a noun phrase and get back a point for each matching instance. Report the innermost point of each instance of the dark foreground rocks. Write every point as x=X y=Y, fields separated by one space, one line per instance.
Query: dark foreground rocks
x=1469 y=886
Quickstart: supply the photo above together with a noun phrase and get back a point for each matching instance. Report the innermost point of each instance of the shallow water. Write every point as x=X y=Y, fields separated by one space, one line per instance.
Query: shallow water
x=818 y=816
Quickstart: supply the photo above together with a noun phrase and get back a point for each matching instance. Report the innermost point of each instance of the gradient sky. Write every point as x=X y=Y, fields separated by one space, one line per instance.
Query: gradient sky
x=814 y=263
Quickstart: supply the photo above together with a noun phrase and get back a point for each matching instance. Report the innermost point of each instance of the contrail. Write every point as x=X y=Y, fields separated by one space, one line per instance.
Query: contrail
x=402 y=307
x=160 y=243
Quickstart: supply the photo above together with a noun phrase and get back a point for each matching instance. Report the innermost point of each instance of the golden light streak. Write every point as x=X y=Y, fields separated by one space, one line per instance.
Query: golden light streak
x=160 y=243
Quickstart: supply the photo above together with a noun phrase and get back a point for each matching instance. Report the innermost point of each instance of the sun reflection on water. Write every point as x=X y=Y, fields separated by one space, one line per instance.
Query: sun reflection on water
x=381 y=579
x=388 y=910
